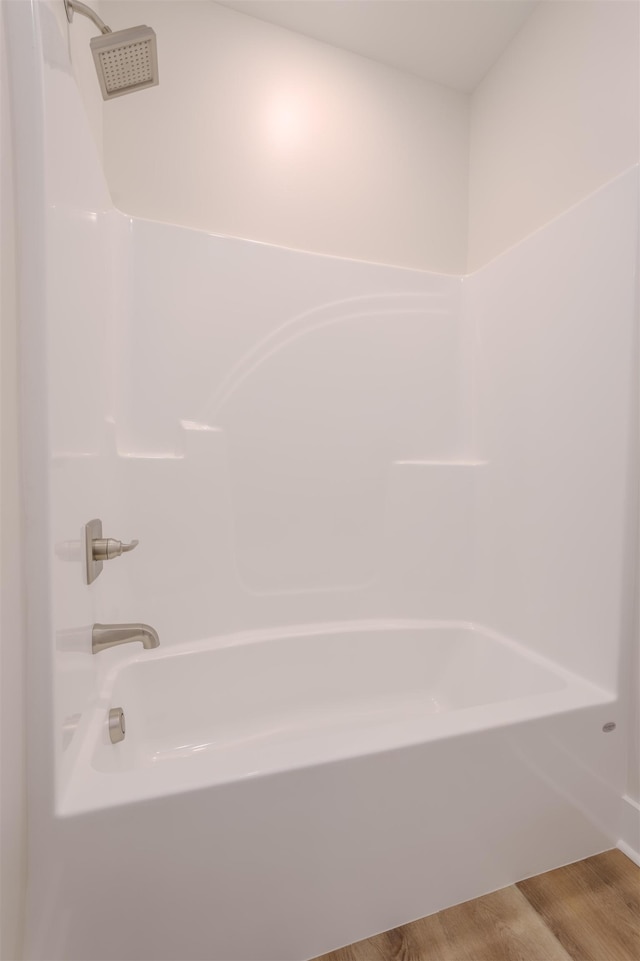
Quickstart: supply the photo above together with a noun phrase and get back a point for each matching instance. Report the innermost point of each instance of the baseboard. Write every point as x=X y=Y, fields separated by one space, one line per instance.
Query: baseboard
x=629 y=842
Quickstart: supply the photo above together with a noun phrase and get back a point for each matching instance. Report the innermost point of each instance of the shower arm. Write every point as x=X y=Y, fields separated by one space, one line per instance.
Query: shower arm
x=75 y=6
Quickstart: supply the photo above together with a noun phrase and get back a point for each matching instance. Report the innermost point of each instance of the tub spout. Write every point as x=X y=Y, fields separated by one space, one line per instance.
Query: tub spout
x=110 y=635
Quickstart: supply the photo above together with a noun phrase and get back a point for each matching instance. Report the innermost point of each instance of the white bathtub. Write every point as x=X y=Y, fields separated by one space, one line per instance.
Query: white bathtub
x=278 y=795
x=258 y=703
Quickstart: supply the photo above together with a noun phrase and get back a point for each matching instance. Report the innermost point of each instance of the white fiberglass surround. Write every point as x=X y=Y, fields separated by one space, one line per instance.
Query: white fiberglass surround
x=384 y=528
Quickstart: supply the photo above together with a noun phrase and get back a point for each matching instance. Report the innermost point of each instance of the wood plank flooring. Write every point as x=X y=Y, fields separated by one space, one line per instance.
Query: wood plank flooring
x=588 y=911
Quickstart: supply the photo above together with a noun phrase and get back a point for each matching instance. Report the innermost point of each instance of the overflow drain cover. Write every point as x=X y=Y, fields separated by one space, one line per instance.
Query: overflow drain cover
x=116 y=725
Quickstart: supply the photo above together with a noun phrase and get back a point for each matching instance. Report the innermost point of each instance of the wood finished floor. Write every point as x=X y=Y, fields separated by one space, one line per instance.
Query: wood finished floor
x=588 y=911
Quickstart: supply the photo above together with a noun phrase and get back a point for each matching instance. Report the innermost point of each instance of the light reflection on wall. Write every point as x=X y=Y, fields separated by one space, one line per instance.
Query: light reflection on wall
x=288 y=121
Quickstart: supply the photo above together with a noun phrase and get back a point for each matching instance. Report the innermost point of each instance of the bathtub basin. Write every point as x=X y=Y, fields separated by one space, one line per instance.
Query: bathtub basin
x=257 y=703
x=280 y=794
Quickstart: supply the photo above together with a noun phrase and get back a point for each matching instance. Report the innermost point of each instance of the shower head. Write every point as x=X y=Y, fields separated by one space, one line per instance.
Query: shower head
x=126 y=60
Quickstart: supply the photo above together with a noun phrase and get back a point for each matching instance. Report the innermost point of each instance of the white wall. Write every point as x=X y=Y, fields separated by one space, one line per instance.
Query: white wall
x=555 y=118
x=334 y=475
x=259 y=132
x=555 y=322
x=77 y=35
x=12 y=727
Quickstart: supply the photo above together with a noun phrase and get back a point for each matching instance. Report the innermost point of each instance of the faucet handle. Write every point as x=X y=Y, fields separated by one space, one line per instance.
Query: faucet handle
x=106 y=548
x=99 y=549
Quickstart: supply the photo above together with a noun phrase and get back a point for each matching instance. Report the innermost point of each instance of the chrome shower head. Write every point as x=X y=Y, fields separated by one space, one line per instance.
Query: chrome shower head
x=126 y=61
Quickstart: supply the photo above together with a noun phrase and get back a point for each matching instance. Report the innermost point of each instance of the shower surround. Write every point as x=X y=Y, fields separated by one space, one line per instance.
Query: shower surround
x=384 y=525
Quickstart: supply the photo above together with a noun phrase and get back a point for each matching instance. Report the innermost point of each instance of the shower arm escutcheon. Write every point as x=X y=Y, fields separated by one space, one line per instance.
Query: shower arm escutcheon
x=75 y=6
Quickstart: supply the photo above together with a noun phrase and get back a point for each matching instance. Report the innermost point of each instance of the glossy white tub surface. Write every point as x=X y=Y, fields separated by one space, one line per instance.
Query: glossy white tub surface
x=282 y=793
x=257 y=703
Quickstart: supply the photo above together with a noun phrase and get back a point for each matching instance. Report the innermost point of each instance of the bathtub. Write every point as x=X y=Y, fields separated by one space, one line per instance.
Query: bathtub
x=259 y=703
x=279 y=794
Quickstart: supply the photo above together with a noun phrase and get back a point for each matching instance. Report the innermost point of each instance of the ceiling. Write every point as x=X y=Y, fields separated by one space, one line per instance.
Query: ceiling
x=453 y=42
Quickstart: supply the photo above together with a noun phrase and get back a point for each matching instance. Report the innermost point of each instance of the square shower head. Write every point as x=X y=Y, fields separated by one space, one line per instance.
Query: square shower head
x=126 y=61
